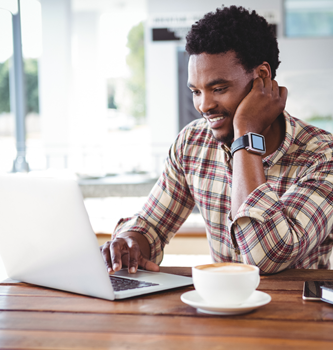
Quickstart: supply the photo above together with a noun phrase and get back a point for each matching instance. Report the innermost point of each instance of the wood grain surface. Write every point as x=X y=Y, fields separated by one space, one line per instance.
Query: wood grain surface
x=34 y=317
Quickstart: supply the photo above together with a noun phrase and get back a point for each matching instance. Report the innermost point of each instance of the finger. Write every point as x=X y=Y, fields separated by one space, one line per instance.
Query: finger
x=148 y=265
x=116 y=248
x=275 y=89
x=124 y=259
x=134 y=255
x=258 y=84
x=267 y=81
x=283 y=93
x=105 y=250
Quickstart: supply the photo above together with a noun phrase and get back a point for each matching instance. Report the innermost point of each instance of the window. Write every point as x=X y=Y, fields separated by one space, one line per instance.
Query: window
x=308 y=18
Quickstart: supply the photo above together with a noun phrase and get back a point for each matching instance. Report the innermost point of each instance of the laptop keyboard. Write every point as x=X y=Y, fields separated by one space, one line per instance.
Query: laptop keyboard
x=120 y=283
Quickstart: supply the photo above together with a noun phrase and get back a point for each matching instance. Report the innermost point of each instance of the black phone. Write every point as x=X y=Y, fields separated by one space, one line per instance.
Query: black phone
x=312 y=290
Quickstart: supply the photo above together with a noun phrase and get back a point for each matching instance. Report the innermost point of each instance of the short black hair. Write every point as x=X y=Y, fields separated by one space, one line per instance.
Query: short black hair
x=235 y=29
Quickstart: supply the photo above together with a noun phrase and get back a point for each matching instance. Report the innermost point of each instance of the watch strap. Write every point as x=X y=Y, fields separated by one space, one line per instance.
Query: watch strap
x=241 y=142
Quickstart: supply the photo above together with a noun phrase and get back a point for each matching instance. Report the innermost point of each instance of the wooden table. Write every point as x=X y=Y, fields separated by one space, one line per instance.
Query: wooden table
x=39 y=318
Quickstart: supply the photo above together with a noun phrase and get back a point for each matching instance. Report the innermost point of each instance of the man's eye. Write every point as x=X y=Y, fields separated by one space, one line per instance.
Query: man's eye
x=219 y=89
x=195 y=92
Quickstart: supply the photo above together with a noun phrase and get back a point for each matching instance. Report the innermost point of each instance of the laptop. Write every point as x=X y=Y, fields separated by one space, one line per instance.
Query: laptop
x=46 y=239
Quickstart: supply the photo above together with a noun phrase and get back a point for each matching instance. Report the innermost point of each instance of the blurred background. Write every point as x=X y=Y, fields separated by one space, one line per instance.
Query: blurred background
x=105 y=92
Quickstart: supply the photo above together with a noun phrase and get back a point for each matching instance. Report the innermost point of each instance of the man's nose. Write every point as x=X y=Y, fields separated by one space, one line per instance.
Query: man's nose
x=207 y=103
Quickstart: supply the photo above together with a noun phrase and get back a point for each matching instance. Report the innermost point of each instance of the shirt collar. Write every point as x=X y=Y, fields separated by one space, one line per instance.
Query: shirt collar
x=289 y=138
x=227 y=152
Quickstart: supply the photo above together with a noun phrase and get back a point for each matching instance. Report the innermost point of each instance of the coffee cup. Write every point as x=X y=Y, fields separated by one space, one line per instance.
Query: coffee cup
x=225 y=284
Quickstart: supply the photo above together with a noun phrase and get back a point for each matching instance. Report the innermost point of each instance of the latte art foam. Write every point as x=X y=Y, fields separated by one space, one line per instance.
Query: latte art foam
x=226 y=268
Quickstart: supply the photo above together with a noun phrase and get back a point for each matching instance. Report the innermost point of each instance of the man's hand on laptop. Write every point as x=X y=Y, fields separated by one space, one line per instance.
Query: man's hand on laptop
x=130 y=249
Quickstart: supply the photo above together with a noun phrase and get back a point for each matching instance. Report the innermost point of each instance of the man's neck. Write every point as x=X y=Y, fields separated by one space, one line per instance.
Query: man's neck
x=274 y=135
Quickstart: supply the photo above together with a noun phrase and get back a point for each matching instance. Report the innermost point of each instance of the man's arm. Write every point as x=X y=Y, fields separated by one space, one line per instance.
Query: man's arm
x=275 y=231
x=257 y=113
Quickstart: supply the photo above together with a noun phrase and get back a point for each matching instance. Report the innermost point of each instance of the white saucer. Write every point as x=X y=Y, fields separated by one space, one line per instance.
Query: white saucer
x=256 y=300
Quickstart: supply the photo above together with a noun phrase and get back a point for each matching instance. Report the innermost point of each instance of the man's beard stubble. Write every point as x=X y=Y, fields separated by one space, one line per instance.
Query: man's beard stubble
x=224 y=139
x=228 y=139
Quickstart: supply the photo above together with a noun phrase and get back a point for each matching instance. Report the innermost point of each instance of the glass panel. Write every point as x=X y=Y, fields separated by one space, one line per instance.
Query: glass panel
x=309 y=18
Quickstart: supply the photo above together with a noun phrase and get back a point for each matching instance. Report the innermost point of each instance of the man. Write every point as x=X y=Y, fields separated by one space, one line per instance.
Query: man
x=262 y=180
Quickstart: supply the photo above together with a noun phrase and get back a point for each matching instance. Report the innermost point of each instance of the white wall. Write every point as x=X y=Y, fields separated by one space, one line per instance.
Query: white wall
x=306 y=69
x=162 y=98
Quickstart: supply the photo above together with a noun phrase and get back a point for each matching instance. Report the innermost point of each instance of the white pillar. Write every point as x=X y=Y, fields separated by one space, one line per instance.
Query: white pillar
x=55 y=80
x=89 y=98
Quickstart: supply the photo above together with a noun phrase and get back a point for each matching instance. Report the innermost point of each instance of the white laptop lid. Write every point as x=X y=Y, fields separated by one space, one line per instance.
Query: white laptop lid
x=46 y=239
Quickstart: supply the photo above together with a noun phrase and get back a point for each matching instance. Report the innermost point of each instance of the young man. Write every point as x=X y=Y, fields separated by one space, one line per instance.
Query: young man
x=262 y=180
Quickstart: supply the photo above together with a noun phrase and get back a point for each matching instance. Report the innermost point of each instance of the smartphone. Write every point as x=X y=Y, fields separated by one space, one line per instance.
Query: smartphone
x=312 y=290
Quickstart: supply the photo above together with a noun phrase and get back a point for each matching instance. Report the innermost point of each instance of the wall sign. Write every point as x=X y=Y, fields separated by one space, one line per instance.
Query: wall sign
x=171 y=26
x=175 y=26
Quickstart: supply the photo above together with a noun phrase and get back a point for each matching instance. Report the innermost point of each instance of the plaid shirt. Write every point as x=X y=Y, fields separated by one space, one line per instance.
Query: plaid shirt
x=284 y=223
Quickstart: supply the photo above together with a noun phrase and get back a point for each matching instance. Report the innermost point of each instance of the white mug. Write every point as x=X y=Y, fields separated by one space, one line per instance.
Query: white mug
x=225 y=284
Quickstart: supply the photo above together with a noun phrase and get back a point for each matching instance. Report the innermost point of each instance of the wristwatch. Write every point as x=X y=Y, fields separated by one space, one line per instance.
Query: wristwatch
x=252 y=142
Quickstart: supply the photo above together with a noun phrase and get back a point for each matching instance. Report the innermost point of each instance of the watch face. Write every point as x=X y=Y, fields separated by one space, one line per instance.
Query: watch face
x=257 y=142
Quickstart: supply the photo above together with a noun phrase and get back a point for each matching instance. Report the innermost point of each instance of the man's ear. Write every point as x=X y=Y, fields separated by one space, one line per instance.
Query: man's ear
x=263 y=71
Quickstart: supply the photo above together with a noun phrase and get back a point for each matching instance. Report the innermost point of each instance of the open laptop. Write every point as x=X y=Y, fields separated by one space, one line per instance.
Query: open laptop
x=46 y=239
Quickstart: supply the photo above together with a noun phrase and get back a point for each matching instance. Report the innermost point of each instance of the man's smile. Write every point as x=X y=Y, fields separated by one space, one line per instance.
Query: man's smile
x=212 y=120
x=215 y=120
